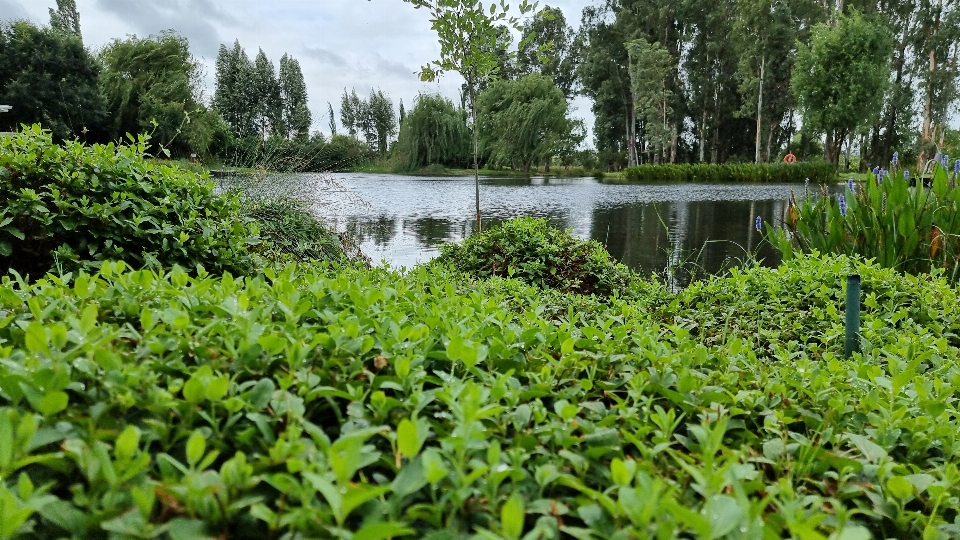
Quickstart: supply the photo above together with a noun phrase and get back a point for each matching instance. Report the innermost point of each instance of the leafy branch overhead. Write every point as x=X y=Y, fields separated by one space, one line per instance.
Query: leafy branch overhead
x=467 y=32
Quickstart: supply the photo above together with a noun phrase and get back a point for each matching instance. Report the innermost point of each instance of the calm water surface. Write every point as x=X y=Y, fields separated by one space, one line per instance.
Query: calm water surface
x=650 y=227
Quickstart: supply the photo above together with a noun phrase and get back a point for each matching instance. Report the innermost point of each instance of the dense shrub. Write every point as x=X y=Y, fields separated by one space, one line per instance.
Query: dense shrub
x=319 y=403
x=73 y=206
x=817 y=172
x=530 y=250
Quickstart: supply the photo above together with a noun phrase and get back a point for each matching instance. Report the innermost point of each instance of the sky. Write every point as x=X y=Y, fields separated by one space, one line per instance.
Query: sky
x=361 y=44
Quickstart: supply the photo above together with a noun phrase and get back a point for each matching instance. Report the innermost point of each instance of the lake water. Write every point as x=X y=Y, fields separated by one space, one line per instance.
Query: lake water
x=401 y=220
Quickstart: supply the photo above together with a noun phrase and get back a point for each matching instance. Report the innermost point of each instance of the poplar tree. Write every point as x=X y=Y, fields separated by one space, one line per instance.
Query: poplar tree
x=379 y=121
x=293 y=91
x=332 y=119
x=268 y=108
x=66 y=18
x=233 y=93
x=351 y=112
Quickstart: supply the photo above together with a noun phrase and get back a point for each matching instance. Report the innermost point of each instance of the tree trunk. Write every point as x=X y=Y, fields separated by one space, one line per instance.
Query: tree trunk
x=928 y=106
x=476 y=152
x=763 y=64
x=770 y=140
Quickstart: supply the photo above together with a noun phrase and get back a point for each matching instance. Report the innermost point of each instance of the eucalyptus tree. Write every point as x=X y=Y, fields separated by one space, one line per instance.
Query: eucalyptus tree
x=549 y=48
x=766 y=32
x=937 y=48
x=293 y=94
x=467 y=31
x=651 y=66
x=840 y=78
x=603 y=71
x=523 y=122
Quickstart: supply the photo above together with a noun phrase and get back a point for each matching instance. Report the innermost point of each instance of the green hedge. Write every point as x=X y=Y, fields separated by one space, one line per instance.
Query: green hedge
x=367 y=404
x=73 y=206
x=817 y=172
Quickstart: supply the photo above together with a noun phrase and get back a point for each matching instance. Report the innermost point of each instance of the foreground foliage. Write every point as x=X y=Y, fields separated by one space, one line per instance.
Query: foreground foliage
x=913 y=229
x=74 y=206
x=818 y=172
x=367 y=404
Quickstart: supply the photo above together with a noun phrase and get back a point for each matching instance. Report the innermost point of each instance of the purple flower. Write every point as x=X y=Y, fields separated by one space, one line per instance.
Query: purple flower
x=850 y=185
x=876 y=170
x=945 y=160
x=896 y=158
x=843 y=205
x=956 y=167
x=759 y=223
x=906 y=175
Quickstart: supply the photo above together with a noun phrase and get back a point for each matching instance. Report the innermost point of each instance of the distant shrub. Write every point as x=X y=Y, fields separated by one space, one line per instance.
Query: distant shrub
x=530 y=250
x=818 y=172
x=74 y=206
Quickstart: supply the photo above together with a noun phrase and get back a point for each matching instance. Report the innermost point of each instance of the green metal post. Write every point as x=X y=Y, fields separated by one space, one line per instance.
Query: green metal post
x=853 y=316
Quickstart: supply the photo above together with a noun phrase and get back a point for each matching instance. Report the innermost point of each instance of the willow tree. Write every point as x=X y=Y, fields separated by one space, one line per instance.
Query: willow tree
x=467 y=31
x=433 y=132
x=524 y=122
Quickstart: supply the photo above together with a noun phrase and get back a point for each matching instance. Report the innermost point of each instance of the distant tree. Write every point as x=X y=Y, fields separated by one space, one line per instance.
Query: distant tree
x=549 y=48
x=233 y=95
x=333 y=120
x=268 y=105
x=523 y=122
x=293 y=91
x=403 y=113
x=153 y=85
x=351 y=112
x=49 y=78
x=433 y=132
x=840 y=78
x=467 y=31
x=66 y=18
x=380 y=121
x=650 y=68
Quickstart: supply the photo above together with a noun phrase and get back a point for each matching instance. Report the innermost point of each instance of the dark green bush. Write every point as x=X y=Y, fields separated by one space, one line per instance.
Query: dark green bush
x=347 y=403
x=530 y=250
x=817 y=172
x=74 y=206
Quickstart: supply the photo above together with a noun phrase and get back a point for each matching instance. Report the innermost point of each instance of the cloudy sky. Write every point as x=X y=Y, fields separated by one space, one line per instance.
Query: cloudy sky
x=360 y=44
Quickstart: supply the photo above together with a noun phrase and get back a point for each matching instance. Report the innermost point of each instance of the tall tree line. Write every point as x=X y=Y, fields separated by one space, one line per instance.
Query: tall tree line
x=726 y=71
x=255 y=100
